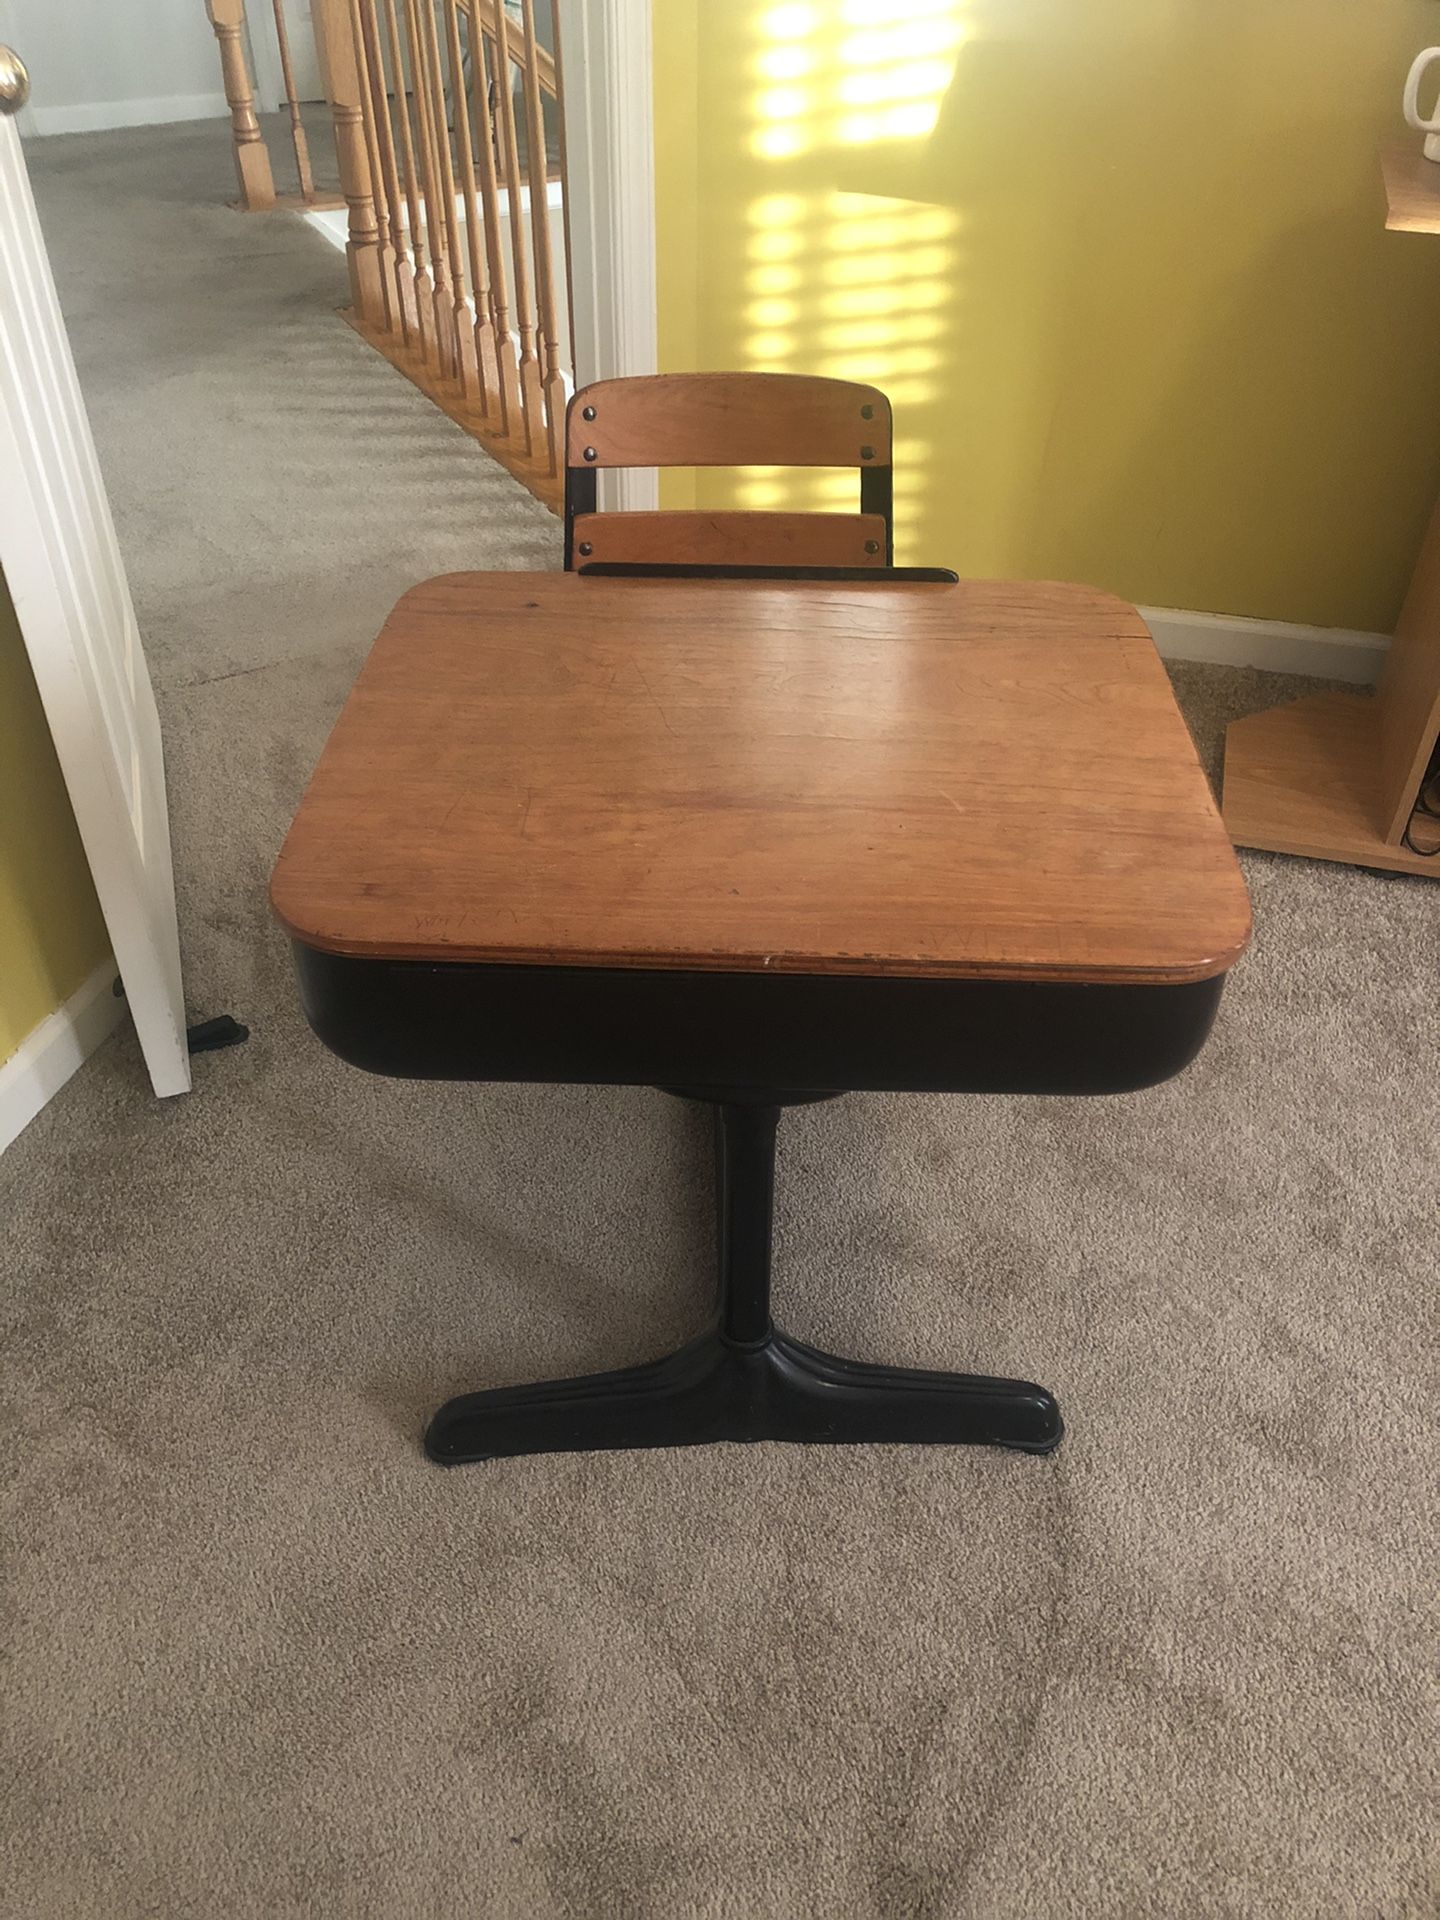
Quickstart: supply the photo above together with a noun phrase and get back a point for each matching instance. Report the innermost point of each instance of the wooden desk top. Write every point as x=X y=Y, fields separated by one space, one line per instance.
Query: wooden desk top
x=978 y=781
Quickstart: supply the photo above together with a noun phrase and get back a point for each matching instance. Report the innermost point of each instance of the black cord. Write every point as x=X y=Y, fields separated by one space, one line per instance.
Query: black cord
x=1427 y=807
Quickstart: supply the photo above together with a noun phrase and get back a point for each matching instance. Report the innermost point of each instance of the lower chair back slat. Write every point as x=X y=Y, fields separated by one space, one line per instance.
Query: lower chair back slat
x=732 y=539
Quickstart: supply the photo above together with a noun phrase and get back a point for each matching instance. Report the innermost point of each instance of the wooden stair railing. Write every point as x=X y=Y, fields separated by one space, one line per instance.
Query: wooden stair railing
x=429 y=124
x=292 y=102
x=453 y=273
x=342 y=66
x=528 y=54
x=252 y=156
x=252 y=153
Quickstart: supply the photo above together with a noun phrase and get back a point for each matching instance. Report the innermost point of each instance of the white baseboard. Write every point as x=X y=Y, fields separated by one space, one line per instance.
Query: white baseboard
x=46 y=1058
x=99 y=115
x=1328 y=653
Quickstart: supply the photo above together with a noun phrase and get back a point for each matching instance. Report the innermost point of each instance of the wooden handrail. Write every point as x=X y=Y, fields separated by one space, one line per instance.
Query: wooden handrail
x=487 y=13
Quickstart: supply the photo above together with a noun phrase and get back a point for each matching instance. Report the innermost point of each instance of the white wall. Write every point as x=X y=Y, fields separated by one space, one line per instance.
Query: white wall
x=113 y=63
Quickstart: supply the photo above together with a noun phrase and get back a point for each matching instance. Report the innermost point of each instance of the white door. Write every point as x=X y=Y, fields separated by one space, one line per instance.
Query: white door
x=265 y=55
x=66 y=578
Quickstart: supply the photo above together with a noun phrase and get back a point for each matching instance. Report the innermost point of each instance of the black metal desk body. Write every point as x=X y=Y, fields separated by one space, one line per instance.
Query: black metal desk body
x=749 y=1044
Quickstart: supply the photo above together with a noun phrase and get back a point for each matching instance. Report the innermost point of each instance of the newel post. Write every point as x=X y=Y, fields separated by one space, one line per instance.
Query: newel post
x=252 y=156
x=340 y=68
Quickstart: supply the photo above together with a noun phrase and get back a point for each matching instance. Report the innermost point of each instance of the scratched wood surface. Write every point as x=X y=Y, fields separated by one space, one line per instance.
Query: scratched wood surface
x=983 y=780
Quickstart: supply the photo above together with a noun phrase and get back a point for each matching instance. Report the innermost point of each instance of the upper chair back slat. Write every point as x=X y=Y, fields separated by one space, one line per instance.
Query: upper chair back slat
x=728 y=420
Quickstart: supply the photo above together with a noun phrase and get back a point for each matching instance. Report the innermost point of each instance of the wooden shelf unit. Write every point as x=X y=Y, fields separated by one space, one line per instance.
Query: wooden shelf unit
x=1302 y=779
x=1412 y=188
x=1336 y=776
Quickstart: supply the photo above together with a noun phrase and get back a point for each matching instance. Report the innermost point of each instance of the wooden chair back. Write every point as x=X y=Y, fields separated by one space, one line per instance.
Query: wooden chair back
x=729 y=420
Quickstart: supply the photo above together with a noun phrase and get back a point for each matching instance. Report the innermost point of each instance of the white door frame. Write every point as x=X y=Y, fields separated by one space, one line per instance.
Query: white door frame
x=610 y=187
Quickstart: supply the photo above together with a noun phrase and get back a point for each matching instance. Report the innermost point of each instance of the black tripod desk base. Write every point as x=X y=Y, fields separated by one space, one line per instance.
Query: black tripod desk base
x=715 y=1390
x=742 y=1379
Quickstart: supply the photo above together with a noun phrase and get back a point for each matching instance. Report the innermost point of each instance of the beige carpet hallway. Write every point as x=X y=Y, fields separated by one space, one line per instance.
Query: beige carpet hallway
x=261 y=1659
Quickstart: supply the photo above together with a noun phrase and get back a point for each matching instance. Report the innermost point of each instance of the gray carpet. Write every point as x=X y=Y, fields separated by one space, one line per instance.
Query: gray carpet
x=264 y=1660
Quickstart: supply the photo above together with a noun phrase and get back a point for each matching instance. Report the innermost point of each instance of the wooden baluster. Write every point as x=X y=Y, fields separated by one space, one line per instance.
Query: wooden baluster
x=443 y=307
x=532 y=399
x=370 y=124
x=508 y=385
x=552 y=380
x=482 y=328
x=460 y=316
x=564 y=185
x=422 y=313
x=252 y=156
x=338 y=65
x=400 y=278
x=297 y=131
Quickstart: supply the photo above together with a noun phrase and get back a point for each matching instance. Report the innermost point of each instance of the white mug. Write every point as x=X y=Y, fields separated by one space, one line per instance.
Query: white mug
x=1430 y=128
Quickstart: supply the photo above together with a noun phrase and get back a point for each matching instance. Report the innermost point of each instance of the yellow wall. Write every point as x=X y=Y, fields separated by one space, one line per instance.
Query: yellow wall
x=1121 y=266
x=51 y=933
